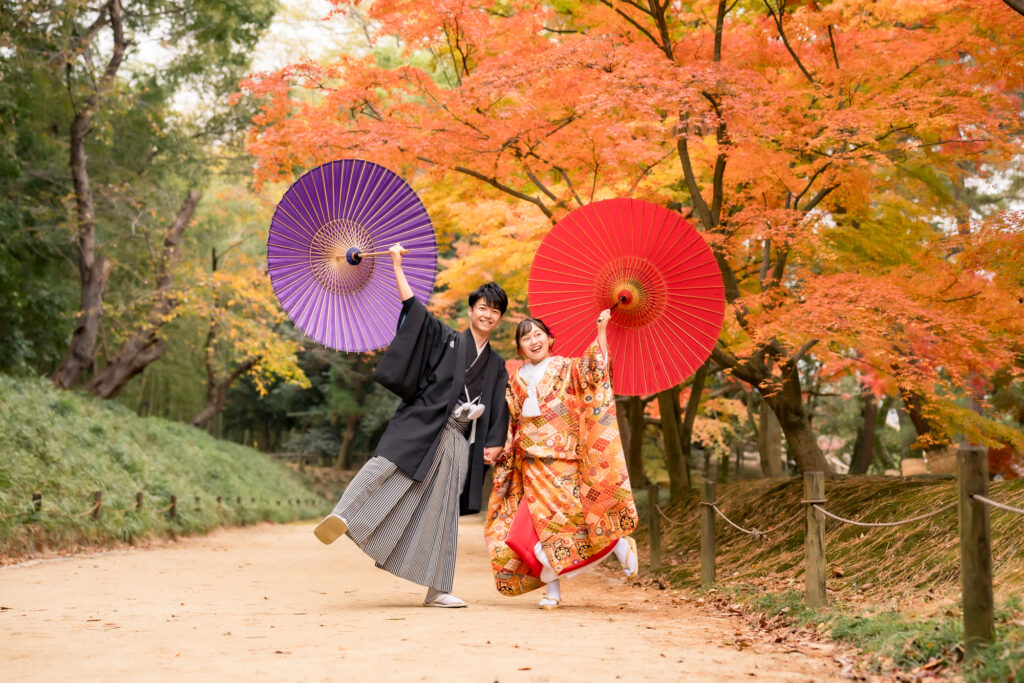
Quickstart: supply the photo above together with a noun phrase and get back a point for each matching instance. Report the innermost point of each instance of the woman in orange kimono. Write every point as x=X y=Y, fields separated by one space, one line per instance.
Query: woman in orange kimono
x=561 y=499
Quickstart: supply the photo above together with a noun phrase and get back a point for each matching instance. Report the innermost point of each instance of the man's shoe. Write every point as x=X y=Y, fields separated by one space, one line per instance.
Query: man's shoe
x=329 y=529
x=443 y=600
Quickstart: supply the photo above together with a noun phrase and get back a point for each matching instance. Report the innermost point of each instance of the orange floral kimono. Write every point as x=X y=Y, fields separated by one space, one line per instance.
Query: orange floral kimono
x=563 y=472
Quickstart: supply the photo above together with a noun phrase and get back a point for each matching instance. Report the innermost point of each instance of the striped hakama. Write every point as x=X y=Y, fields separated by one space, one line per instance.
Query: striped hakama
x=410 y=528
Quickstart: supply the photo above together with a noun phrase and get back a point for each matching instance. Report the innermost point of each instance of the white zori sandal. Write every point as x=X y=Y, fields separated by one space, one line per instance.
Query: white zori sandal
x=330 y=528
x=437 y=599
x=548 y=603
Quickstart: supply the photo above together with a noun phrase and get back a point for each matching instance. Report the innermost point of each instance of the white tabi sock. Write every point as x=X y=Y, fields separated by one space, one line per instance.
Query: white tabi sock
x=621 y=551
x=554 y=590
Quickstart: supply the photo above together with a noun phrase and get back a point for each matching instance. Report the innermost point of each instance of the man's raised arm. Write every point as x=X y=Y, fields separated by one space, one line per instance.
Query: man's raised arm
x=404 y=290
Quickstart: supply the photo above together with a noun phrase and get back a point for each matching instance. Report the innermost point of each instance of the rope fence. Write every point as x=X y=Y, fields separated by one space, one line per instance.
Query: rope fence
x=97 y=506
x=975 y=539
x=876 y=525
x=1001 y=506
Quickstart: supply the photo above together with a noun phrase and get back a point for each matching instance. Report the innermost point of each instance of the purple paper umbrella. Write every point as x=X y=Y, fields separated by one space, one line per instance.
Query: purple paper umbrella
x=327 y=253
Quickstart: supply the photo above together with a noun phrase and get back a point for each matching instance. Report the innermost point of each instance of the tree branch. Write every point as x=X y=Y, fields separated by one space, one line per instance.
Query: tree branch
x=495 y=183
x=785 y=40
x=832 y=42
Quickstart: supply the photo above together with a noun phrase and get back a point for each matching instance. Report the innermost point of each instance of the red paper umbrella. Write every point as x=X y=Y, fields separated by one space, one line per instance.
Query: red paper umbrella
x=659 y=271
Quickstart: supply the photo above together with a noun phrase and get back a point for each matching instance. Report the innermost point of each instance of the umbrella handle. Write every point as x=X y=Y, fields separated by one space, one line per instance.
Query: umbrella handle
x=361 y=254
x=622 y=300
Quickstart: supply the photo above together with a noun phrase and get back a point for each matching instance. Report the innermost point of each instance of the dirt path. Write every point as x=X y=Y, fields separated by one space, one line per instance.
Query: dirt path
x=271 y=603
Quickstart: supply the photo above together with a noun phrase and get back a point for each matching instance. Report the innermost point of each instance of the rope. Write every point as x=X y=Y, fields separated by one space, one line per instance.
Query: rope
x=164 y=509
x=1001 y=506
x=89 y=511
x=661 y=512
x=836 y=517
x=16 y=514
x=757 y=533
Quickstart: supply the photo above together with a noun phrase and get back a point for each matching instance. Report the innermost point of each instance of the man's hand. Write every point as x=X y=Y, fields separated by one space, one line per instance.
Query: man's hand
x=396 y=252
x=404 y=290
x=491 y=454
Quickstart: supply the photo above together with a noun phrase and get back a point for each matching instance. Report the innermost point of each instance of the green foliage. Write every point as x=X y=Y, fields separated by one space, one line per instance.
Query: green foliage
x=312 y=420
x=893 y=640
x=66 y=446
x=143 y=152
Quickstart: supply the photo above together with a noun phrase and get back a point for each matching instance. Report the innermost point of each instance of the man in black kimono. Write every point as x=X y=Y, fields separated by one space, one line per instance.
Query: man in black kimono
x=402 y=507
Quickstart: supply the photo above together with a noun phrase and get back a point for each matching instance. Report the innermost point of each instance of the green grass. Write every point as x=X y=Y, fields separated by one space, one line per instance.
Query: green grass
x=893 y=641
x=66 y=445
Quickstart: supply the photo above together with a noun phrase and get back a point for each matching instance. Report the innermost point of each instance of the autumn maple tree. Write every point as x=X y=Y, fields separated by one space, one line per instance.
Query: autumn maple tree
x=822 y=148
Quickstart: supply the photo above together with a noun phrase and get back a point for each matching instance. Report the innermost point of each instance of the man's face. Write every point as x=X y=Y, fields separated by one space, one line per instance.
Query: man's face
x=483 y=317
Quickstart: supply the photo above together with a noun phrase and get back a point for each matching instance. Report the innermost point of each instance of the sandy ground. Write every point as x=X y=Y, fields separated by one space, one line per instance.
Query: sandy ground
x=271 y=603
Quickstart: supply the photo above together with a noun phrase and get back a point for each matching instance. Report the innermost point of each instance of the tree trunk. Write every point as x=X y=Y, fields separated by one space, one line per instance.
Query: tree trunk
x=864 y=446
x=692 y=405
x=1016 y=5
x=635 y=455
x=359 y=380
x=678 y=483
x=785 y=399
x=216 y=391
x=93 y=269
x=784 y=396
x=348 y=439
x=769 y=441
x=622 y=418
x=146 y=345
x=87 y=325
x=915 y=411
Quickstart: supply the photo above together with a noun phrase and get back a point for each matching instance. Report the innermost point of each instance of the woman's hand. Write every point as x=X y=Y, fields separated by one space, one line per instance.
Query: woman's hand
x=492 y=454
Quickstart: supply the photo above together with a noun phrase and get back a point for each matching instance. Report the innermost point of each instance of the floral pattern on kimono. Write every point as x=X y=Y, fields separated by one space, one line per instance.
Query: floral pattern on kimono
x=569 y=466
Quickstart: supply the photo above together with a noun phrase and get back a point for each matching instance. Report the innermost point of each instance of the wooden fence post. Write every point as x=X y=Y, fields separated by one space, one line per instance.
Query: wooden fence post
x=174 y=506
x=814 y=540
x=707 y=536
x=97 y=500
x=655 y=540
x=138 y=500
x=975 y=549
x=37 y=501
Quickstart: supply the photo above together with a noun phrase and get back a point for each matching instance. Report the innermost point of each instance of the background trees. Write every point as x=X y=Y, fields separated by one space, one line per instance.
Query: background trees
x=855 y=167
x=827 y=150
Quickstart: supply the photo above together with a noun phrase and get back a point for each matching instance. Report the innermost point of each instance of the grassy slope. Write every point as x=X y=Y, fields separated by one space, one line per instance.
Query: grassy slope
x=894 y=591
x=66 y=446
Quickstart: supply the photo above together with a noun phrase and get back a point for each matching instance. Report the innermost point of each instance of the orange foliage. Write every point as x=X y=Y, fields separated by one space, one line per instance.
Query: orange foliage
x=818 y=143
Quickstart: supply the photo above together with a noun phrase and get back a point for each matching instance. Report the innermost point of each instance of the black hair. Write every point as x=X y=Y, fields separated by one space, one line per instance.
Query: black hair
x=493 y=294
x=528 y=324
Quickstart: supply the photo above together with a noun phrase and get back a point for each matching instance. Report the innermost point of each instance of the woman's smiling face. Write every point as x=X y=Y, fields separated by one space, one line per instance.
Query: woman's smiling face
x=534 y=344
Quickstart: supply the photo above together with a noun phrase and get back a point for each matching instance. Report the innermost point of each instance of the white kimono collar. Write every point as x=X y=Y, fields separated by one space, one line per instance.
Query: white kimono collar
x=531 y=375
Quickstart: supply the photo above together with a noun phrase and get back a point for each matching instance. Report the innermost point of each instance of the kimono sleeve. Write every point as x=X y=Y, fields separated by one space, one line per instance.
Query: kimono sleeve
x=589 y=373
x=415 y=351
x=514 y=409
